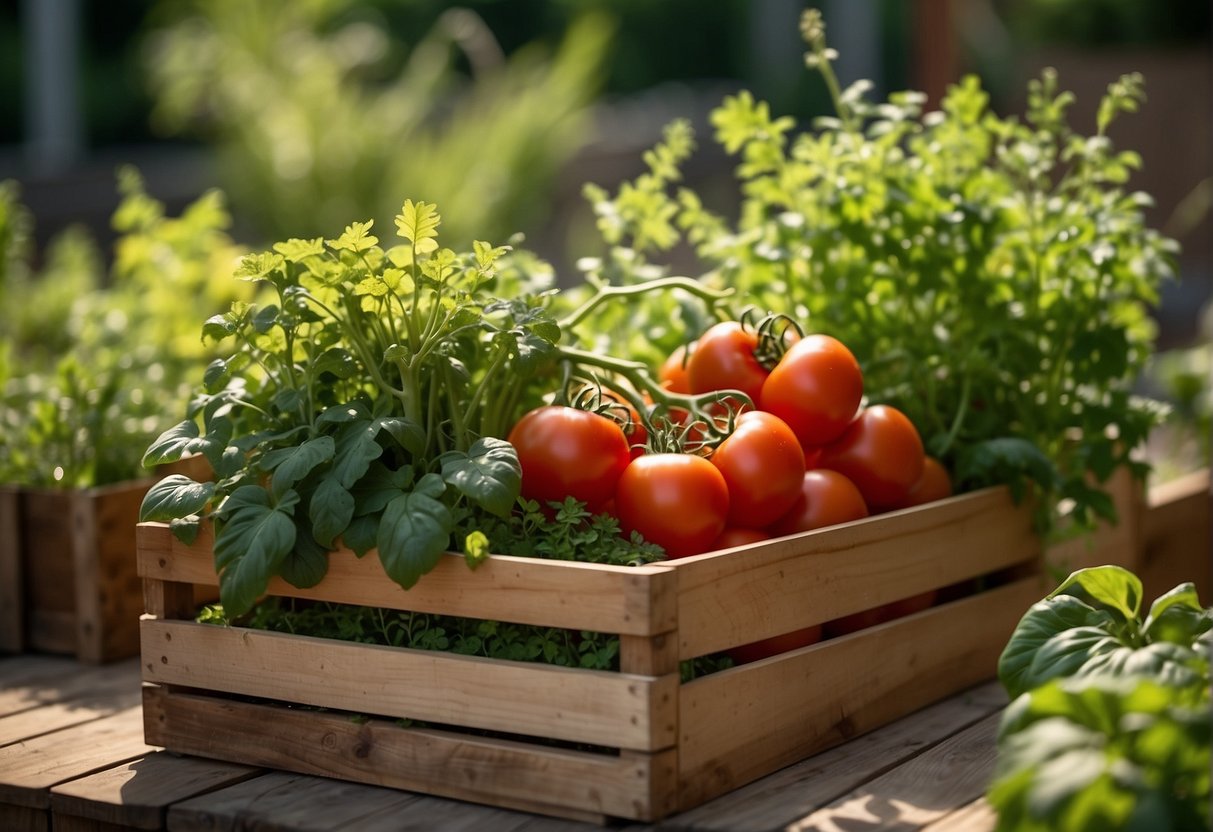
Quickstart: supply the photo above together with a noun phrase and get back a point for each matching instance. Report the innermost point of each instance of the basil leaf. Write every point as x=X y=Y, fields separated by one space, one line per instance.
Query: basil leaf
x=1110 y=587
x=290 y=465
x=414 y=532
x=175 y=497
x=489 y=474
x=1043 y=620
x=1177 y=616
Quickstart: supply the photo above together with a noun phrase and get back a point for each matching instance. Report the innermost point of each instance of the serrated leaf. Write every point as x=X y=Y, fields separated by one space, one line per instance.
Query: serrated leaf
x=489 y=474
x=298 y=250
x=258 y=266
x=356 y=238
x=175 y=497
x=414 y=532
x=418 y=223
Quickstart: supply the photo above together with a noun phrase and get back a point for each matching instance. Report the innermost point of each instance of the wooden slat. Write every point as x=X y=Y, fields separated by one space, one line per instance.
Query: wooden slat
x=12 y=579
x=50 y=580
x=449 y=764
x=1118 y=544
x=1177 y=538
x=109 y=623
x=582 y=596
x=117 y=692
x=796 y=791
x=137 y=794
x=978 y=816
x=923 y=790
x=34 y=681
x=794 y=582
x=740 y=724
x=28 y=770
x=611 y=709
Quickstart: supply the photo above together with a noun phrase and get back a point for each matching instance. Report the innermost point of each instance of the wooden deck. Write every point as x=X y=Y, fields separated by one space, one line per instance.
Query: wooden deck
x=72 y=758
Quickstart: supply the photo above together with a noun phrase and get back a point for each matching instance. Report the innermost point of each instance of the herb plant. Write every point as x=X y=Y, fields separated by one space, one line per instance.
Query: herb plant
x=992 y=275
x=90 y=365
x=366 y=404
x=1111 y=726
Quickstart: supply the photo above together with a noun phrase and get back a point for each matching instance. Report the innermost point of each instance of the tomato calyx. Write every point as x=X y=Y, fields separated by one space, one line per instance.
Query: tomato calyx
x=776 y=332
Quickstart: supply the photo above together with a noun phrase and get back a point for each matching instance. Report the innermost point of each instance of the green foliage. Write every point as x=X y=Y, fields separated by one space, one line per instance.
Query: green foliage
x=319 y=114
x=363 y=400
x=90 y=367
x=458 y=635
x=993 y=276
x=1111 y=723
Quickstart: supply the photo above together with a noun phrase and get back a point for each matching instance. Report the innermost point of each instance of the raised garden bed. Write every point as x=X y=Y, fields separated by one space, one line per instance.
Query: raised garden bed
x=659 y=745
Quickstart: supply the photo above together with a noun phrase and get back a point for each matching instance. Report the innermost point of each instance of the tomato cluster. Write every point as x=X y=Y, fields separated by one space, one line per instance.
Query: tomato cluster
x=802 y=453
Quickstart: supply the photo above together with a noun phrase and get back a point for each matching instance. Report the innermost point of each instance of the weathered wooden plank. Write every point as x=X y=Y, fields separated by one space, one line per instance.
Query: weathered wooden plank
x=462 y=766
x=137 y=794
x=740 y=724
x=29 y=769
x=50 y=581
x=795 y=582
x=108 y=698
x=25 y=818
x=12 y=573
x=920 y=791
x=581 y=596
x=41 y=680
x=794 y=792
x=978 y=816
x=613 y=709
x=108 y=613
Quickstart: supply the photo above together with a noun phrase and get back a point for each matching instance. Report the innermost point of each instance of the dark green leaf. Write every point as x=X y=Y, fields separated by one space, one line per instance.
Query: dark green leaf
x=265 y=318
x=330 y=510
x=1044 y=620
x=414 y=532
x=186 y=529
x=489 y=474
x=307 y=562
x=336 y=362
x=254 y=538
x=408 y=434
x=356 y=450
x=361 y=534
x=180 y=440
x=175 y=497
x=290 y=465
x=216 y=376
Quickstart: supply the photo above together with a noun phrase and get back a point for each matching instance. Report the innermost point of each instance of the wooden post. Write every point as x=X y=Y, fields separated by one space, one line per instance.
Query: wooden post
x=12 y=575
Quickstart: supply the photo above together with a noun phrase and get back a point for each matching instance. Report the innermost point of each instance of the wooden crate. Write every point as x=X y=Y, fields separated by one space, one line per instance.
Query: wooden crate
x=664 y=746
x=68 y=577
x=67 y=557
x=635 y=744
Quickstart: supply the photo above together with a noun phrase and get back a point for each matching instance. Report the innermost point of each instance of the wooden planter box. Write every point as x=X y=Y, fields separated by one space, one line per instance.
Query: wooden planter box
x=659 y=746
x=68 y=578
x=68 y=571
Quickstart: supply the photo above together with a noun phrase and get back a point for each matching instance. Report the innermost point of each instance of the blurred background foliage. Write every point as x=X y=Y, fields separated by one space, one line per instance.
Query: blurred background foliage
x=311 y=113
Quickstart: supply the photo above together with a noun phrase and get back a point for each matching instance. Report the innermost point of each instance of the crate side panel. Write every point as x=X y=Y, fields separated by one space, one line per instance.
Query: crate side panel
x=50 y=579
x=12 y=573
x=609 y=709
x=1110 y=543
x=465 y=767
x=794 y=582
x=119 y=590
x=742 y=724
x=580 y=596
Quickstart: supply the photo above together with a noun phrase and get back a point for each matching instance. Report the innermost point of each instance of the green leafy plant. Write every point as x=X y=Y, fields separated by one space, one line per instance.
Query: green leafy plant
x=992 y=275
x=88 y=366
x=319 y=115
x=1111 y=725
x=367 y=403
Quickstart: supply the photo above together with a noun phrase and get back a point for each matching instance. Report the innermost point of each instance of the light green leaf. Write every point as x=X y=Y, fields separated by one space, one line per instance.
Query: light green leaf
x=1109 y=587
x=418 y=223
x=357 y=237
x=1176 y=616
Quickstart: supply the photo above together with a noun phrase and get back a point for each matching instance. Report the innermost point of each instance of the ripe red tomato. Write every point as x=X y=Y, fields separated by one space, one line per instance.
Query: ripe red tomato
x=826 y=498
x=816 y=388
x=723 y=359
x=565 y=452
x=934 y=484
x=672 y=374
x=775 y=645
x=881 y=453
x=763 y=465
x=738 y=536
x=677 y=501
